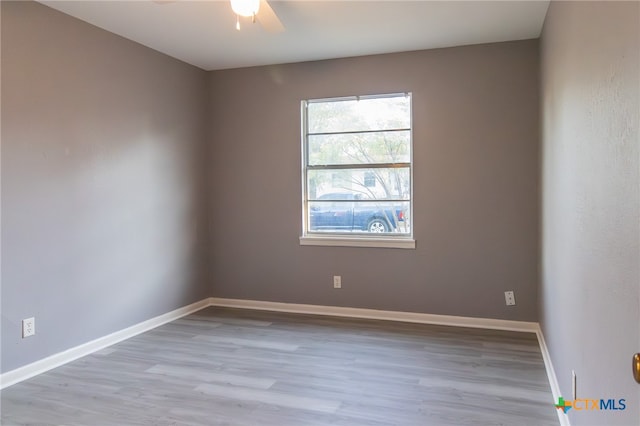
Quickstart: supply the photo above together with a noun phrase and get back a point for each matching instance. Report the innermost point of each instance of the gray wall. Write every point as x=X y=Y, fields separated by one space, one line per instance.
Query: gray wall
x=590 y=293
x=102 y=172
x=476 y=184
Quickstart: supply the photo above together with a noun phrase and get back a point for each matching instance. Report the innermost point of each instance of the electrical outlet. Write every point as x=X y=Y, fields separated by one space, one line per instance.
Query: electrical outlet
x=28 y=327
x=337 y=281
x=509 y=298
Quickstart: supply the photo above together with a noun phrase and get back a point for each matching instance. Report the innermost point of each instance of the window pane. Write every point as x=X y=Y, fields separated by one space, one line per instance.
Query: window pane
x=369 y=179
x=355 y=115
x=370 y=216
x=356 y=184
x=360 y=148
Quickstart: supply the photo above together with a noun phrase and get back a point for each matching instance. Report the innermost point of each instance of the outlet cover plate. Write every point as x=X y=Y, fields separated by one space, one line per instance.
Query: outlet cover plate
x=509 y=298
x=28 y=327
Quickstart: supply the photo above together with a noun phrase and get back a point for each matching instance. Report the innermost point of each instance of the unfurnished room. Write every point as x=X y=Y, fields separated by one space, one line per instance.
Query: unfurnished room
x=296 y=213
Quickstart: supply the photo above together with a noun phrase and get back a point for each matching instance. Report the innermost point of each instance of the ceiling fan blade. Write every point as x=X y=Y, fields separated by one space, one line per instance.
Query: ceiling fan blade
x=268 y=18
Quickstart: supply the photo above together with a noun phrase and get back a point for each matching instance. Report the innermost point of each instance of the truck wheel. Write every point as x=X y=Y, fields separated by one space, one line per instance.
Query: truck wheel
x=378 y=225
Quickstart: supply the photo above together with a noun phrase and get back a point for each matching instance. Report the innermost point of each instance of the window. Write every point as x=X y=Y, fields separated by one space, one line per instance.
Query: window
x=357 y=171
x=369 y=179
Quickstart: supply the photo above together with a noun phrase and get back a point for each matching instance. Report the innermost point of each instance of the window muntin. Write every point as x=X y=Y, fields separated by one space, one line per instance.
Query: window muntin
x=357 y=166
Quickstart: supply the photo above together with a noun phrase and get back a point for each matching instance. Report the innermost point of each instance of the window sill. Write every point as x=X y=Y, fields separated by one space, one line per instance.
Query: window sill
x=335 y=241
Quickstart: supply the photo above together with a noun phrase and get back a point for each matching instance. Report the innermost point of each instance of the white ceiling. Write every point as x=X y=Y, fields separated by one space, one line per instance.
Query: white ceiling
x=203 y=33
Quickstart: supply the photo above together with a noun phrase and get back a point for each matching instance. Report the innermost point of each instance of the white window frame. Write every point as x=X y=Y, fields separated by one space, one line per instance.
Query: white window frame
x=403 y=241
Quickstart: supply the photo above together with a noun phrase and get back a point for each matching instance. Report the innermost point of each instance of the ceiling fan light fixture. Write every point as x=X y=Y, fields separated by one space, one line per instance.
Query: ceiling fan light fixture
x=245 y=7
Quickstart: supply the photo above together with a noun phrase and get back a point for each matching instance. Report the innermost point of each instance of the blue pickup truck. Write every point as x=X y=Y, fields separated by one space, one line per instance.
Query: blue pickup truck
x=348 y=212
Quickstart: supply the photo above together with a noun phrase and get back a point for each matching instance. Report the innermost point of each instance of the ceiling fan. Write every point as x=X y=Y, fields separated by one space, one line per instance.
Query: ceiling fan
x=258 y=10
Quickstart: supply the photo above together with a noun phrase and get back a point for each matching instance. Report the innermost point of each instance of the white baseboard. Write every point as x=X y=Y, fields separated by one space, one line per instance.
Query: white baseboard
x=495 y=324
x=415 y=317
x=551 y=376
x=30 y=370
x=23 y=373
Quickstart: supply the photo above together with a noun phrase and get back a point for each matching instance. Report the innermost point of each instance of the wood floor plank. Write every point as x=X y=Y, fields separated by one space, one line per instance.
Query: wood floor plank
x=252 y=343
x=280 y=399
x=196 y=374
x=234 y=367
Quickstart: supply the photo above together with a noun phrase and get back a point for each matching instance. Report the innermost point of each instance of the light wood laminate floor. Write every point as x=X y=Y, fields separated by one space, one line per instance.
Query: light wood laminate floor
x=241 y=367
